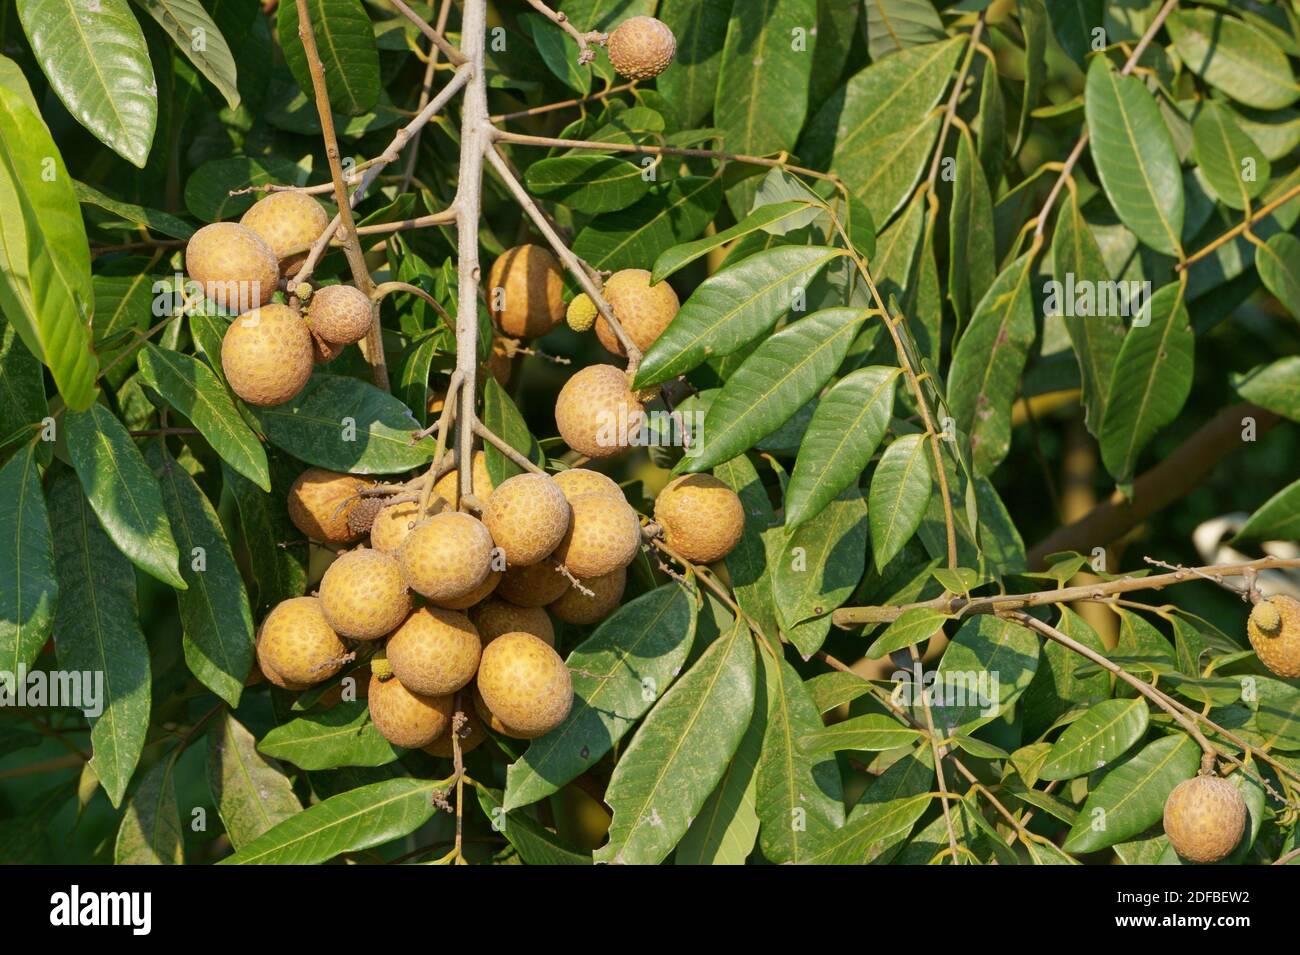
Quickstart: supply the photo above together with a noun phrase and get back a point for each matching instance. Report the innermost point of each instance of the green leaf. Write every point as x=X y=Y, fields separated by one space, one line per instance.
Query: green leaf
x=868 y=836
x=339 y=736
x=1234 y=56
x=252 y=794
x=413 y=381
x=1278 y=261
x=153 y=219
x=900 y=491
x=1277 y=714
x=45 y=285
x=345 y=40
x=781 y=375
x=502 y=418
x=588 y=183
x=846 y=428
x=535 y=845
x=216 y=623
x=558 y=51
x=769 y=217
x=972 y=256
x=1104 y=732
x=871 y=732
x=192 y=388
x=1134 y=156
x=884 y=179
x=985 y=668
x=732 y=308
x=124 y=297
x=98 y=64
x=349 y=822
x=1275 y=386
x=279 y=572
x=910 y=775
x=701 y=29
x=634 y=654
x=894 y=25
x=207 y=190
x=1033 y=23
x=22 y=400
x=29 y=589
x=668 y=214
x=123 y=492
x=1151 y=381
x=1056 y=687
x=836 y=688
x=1278 y=518
x=911 y=627
x=761 y=110
x=346 y=424
x=197 y=36
x=1132 y=796
x=1073 y=22
x=1227 y=156
x=97 y=631
x=821 y=562
x=748 y=562
x=681 y=751
x=800 y=797
x=150 y=833
x=988 y=361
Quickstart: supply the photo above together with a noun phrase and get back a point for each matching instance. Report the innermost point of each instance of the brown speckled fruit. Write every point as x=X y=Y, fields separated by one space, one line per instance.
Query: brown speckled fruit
x=596 y=413
x=477 y=595
x=435 y=651
x=289 y=222
x=472 y=733
x=235 y=267
x=319 y=504
x=340 y=314
x=267 y=355
x=576 y=482
x=447 y=556
x=296 y=646
x=392 y=524
x=363 y=594
x=527 y=518
x=1274 y=630
x=533 y=586
x=525 y=684
x=644 y=310
x=526 y=291
x=641 y=47
x=604 y=536
x=1204 y=818
x=446 y=486
x=606 y=593
x=702 y=518
x=492 y=722
x=405 y=718
x=495 y=617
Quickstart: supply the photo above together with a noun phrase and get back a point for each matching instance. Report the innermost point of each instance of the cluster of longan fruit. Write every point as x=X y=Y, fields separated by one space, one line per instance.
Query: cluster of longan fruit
x=269 y=350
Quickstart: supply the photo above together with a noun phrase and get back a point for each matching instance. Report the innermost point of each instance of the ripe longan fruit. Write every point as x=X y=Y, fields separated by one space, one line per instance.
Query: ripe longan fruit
x=446 y=487
x=641 y=48
x=446 y=556
x=472 y=733
x=576 y=482
x=296 y=646
x=495 y=617
x=319 y=506
x=533 y=586
x=492 y=722
x=340 y=314
x=576 y=607
x=525 y=684
x=644 y=310
x=288 y=222
x=702 y=518
x=435 y=651
x=267 y=355
x=527 y=517
x=477 y=595
x=1274 y=631
x=235 y=267
x=604 y=536
x=408 y=719
x=597 y=414
x=363 y=594
x=1204 y=818
x=392 y=524
x=526 y=291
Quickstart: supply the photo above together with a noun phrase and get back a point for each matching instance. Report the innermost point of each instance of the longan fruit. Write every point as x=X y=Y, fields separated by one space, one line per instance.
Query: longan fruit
x=446 y=556
x=644 y=310
x=236 y=269
x=597 y=414
x=472 y=733
x=492 y=722
x=576 y=482
x=525 y=684
x=322 y=352
x=702 y=518
x=526 y=291
x=527 y=517
x=319 y=504
x=533 y=586
x=1274 y=631
x=364 y=595
x=434 y=651
x=1204 y=818
x=339 y=314
x=392 y=524
x=641 y=48
x=477 y=595
x=581 y=313
x=576 y=607
x=267 y=355
x=296 y=646
x=604 y=535
x=495 y=617
x=408 y=719
x=447 y=486
x=288 y=222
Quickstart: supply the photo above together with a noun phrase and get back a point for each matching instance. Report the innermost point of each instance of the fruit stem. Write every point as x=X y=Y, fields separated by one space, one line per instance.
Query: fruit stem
x=388 y=288
x=500 y=444
x=584 y=40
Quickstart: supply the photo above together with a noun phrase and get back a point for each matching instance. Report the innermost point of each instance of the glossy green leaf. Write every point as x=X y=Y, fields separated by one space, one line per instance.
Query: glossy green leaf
x=873 y=731
x=1275 y=386
x=150 y=833
x=278 y=572
x=900 y=491
x=558 y=51
x=1234 y=56
x=773 y=216
x=822 y=561
x=912 y=626
x=251 y=793
x=1058 y=686
x=345 y=41
x=588 y=183
x=836 y=688
x=866 y=837
x=1236 y=168
x=1277 y=714
x=22 y=400
x=536 y=845
x=339 y=736
x=1104 y=732
x=124 y=299
x=670 y=213
x=985 y=668
x=748 y=563
x=972 y=262
x=1033 y=24
x=1278 y=518
x=1278 y=261
x=154 y=219
x=197 y=36
x=1073 y=22
x=208 y=189
x=502 y=417
x=894 y=25
x=29 y=589
x=700 y=27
